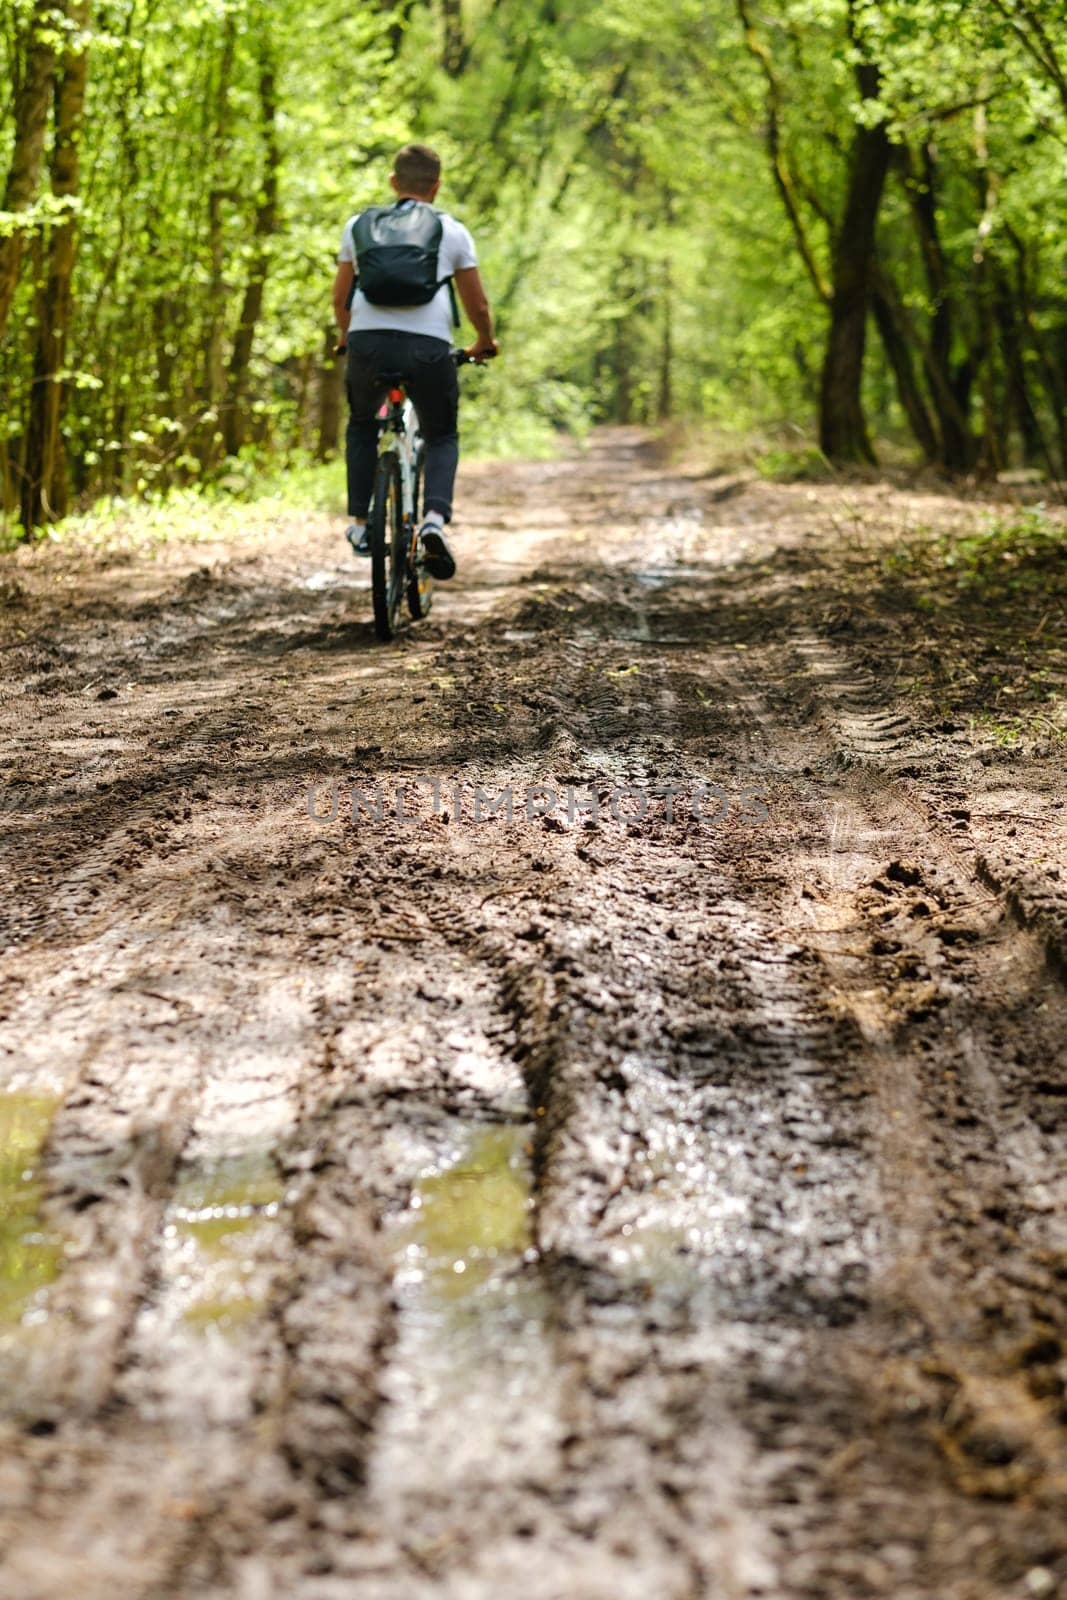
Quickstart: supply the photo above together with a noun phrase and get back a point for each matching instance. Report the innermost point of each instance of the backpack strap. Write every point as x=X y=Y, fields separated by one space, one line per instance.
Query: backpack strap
x=451 y=288
x=351 y=295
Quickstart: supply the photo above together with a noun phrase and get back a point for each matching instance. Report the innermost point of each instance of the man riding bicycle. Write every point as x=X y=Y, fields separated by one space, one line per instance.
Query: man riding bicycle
x=395 y=310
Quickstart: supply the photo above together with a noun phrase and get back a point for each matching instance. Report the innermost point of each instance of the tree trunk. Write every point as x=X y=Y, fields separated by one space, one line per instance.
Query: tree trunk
x=32 y=105
x=265 y=225
x=1052 y=362
x=665 y=397
x=331 y=384
x=214 y=378
x=949 y=390
x=44 y=487
x=843 y=432
x=1023 y=412
x=624 y=397
x=894 y=336
x=995 y=423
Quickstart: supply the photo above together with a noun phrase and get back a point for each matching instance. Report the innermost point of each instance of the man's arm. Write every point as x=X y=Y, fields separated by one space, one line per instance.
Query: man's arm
x=342 y=285
x=476 y=305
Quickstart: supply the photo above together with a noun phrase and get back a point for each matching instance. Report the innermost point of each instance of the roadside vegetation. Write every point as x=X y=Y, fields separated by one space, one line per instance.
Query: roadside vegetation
x=838 y=219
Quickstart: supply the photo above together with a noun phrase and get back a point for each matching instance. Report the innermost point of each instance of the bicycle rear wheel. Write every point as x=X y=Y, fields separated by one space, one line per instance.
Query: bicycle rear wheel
x=420 y=584
x=388 y=557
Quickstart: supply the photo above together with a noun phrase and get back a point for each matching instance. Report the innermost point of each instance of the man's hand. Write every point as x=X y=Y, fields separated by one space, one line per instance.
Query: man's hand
x=476 y=305
x=483 y=350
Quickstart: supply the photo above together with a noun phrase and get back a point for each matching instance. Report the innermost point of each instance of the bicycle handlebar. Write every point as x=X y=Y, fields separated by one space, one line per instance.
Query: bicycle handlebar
x=462 y=359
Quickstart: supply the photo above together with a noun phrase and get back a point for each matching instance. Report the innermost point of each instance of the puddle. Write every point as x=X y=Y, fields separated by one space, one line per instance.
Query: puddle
x=472 y=1386
x=661 y=577
x=30 y=1254
x=683 y=1228
x=215 y=1234
x=468 y=1220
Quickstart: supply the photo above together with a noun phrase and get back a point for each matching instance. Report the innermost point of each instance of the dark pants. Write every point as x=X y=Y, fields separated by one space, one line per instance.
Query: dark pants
x=429 y=376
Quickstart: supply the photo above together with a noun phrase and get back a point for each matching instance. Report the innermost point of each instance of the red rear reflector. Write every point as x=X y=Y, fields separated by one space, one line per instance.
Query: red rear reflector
x=396 y=395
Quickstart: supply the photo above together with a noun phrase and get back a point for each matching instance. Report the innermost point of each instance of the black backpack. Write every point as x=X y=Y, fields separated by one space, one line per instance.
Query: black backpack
x=396 y=254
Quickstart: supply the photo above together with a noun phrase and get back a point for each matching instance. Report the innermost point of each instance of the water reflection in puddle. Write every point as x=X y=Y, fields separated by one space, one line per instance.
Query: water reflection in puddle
x=473 y=1346
x=30 y=1253
x=469 y=1220
x=215 y=1234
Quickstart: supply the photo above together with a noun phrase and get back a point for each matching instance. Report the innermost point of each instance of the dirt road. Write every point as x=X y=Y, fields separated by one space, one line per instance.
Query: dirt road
x=565 y=1206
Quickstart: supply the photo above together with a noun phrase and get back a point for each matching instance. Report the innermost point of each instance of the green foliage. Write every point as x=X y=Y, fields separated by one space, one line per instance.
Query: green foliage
x=1005 y=558
x=1017 y=555
x=792 y=466
x=658 y=209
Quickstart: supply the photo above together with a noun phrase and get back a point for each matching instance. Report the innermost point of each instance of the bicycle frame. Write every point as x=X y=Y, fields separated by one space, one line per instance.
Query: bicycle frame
x=396 y=564
x=399 y=434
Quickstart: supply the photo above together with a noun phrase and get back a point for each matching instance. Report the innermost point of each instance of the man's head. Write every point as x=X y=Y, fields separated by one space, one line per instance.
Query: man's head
x=417 y=172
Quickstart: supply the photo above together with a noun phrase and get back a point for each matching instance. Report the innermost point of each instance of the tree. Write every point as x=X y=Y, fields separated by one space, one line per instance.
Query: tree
x=44 y=484
x=33 y=101
x=264 y=225
x=842 y=211
x=843 y=434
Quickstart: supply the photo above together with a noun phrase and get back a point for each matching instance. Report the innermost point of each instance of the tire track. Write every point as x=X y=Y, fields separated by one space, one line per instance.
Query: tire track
x=896 y=1101
x=846 y=695
x=561 y=1206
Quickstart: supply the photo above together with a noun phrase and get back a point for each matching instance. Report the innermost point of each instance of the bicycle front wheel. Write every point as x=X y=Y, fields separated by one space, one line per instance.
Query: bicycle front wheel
x=388 y=558
x=420 y=584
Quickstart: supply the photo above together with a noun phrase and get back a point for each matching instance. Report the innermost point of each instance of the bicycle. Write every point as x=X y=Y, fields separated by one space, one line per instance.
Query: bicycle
x=397 y=568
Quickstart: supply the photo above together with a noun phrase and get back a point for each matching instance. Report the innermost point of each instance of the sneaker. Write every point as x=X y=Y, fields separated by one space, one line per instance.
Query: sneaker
x=439 y=560
x=359 y=539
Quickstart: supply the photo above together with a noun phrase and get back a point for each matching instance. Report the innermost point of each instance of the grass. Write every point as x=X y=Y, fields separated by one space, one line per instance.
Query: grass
x=250 y=488
x=780 y=464
x=982 y=609
x=1007 y=559
x=240 y=501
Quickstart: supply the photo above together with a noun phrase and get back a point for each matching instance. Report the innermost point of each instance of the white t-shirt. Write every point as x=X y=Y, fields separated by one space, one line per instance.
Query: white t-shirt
x=434 y=319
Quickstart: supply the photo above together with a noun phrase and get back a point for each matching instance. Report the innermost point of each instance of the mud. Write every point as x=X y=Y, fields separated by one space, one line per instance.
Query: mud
x=613 y=1202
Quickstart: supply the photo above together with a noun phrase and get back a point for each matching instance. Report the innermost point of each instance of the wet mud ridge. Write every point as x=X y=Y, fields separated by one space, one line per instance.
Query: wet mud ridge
x=637 y=1168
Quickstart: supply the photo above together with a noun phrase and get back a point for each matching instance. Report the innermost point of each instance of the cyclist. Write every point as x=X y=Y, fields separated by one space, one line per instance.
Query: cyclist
x=395 y=311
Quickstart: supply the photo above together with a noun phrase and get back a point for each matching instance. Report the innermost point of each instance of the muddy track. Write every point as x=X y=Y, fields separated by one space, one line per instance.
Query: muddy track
x=607 y=1202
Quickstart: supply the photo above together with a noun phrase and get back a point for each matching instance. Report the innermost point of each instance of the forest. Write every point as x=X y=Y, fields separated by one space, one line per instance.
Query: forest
x=843 y=218
x=560 y=1095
